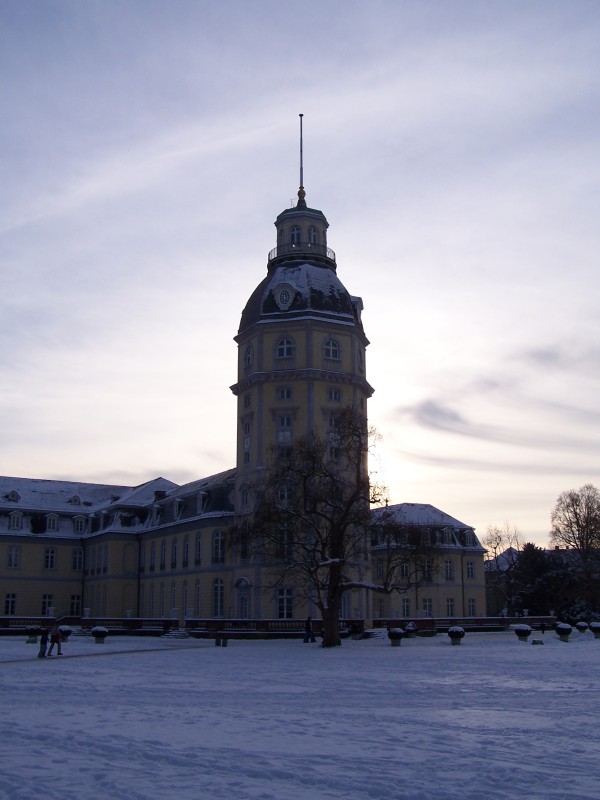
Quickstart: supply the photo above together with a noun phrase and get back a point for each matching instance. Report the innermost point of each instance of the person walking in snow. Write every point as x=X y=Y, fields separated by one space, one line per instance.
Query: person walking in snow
x=43 y=643
x=309 y=636
x=54 y=639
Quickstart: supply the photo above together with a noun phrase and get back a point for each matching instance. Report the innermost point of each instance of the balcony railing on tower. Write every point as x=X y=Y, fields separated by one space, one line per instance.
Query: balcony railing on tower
x=302 y=247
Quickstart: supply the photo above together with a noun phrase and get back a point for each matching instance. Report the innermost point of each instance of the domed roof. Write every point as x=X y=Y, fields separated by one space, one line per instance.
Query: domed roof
x=295 y=288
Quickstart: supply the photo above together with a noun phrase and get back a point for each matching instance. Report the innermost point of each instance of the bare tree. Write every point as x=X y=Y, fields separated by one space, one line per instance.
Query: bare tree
x=576 y=521
x=504 y=547
x=576 y=526
x=313 y=526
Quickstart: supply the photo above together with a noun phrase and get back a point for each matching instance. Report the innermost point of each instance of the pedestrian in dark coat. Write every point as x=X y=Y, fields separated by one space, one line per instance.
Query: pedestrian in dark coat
x=43 y=643
x=54 y=640
x=309 y=636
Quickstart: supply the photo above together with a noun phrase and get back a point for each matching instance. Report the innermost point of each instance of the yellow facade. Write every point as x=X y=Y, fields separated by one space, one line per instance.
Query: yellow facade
x=165 y=551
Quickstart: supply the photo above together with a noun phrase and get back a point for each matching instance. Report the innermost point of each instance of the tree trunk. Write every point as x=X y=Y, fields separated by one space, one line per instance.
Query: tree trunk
x=331 y=626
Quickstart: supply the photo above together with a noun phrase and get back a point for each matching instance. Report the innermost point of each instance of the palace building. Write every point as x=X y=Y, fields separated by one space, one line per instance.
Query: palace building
x=163 y=551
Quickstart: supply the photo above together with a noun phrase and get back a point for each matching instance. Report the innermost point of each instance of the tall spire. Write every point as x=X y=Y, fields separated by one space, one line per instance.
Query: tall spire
x=301 y=193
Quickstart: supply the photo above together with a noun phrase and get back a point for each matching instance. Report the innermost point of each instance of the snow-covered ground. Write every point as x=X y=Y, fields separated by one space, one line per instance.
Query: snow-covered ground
x=282 y=720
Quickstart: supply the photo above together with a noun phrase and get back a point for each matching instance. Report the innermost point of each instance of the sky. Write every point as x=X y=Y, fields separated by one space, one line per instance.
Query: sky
x=365 y=721
x=146 y=148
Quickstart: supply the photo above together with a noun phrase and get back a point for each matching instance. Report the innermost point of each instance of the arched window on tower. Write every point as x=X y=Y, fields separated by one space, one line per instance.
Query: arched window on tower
x=295 y=235
x=248 y=356
x=313 y=235
x=331 y=349
x=284 y=348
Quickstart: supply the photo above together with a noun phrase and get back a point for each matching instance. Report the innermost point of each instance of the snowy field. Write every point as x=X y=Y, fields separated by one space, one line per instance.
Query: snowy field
x=281 y=720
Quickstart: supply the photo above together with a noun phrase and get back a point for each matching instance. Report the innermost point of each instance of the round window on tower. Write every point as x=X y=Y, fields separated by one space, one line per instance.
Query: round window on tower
x=284 y=295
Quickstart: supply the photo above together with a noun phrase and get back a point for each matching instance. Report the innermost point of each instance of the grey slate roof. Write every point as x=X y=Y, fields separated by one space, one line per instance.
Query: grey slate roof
x=317 y=291
x=420 y=514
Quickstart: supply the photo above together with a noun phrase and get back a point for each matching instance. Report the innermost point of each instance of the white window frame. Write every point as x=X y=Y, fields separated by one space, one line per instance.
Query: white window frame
x=284 y=348
x=218 y=598
x=332 y=349
x=13 y=556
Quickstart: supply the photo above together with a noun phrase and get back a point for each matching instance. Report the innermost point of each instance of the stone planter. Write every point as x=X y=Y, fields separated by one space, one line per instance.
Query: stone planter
x=564 y=630
x=595 y=629
x=410 y=631
x=395 y=635
x=523 y=632
x=99 y=633
x=65 y=632
x=581 y=626
x=33 y=632
x=456 y=634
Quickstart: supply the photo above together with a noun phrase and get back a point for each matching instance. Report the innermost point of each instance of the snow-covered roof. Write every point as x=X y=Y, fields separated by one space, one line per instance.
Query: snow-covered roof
x=315 y=288
x=419 y=514
x=38 y=494
x=202 y=484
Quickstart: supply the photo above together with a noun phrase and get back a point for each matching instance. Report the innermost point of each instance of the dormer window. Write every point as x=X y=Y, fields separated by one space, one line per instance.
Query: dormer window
x=79 y=524
x=51 y=523
x=12 y=497
x=15 y=521
x=75 y=500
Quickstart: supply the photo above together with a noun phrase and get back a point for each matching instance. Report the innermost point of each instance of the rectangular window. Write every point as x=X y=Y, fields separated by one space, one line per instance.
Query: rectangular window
x=285 y=544
x=197 y=598
x=246 y=458
x=79 y=525
x=449 y=606
x=10 y=605
x=335 y=395
x=380 y=608
x=51 y=524
x=406 y=607
x=218 y=598
x=285 y=605
x=284 y=393
x=47 y=604
x=470 y=569
x=247 y=401
x=449 y=570
x=198 y=554
x=75 y=605
x=471 y=607
x=427 y=607
x=77 y=559
x=218 y=548
x=13 y=560
x=49 y=558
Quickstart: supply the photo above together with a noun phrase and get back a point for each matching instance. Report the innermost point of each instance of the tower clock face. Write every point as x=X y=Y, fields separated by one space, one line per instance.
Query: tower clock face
x=284 y=294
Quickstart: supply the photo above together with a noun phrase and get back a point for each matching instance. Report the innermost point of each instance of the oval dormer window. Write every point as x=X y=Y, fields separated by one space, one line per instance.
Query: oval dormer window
x=284 y=295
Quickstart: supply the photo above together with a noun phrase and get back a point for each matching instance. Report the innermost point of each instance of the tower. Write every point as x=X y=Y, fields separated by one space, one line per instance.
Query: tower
x=301 y=348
